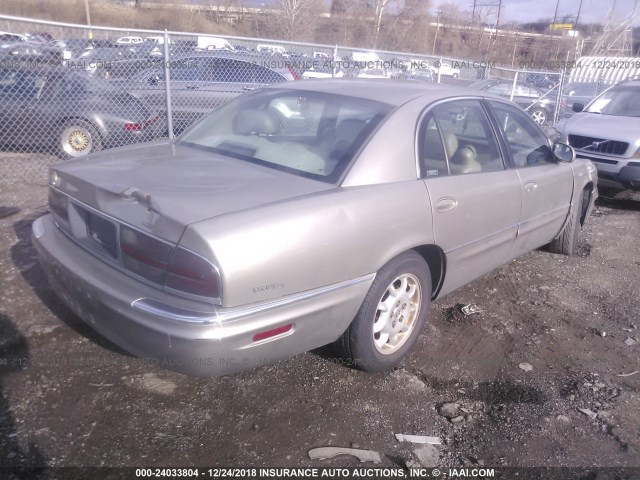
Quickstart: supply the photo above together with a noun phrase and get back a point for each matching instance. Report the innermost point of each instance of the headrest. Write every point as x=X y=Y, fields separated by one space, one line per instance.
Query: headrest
x=350 y=128
x=450 y=143
x=255 y=122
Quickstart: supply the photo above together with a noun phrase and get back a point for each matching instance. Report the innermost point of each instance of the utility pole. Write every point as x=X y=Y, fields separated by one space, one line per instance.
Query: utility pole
x=86 y=7
x=435 y=37
x=575 y=27
x=555 y=15
x=498 y=18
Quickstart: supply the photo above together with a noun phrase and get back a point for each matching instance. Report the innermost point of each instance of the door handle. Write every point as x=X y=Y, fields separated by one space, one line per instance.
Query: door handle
x=446 y=204
x=530 y=187
x=248 y=89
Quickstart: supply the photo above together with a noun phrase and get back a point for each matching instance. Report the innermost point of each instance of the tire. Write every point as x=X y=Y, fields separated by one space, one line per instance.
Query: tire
x=78 y=138
x=539 y=115
x=567 y=242
x=391 y=316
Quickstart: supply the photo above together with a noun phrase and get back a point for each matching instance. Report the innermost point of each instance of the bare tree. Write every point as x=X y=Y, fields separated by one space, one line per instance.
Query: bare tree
x=294 y=14
x=380 y=6
x=410 y=29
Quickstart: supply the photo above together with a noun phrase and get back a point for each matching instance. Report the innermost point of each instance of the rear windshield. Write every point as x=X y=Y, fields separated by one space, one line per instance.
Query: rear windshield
x=309 y=134
x=623 y=101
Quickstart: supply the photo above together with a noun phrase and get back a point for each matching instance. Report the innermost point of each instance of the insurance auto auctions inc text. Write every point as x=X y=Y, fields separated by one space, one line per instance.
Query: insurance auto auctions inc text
x=350 y=473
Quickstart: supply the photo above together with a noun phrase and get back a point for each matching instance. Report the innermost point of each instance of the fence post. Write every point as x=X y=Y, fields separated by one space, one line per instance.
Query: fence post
x=440 y=71
x=335 y=61
x=167 y=84
x=563 y=74
x=513 y=86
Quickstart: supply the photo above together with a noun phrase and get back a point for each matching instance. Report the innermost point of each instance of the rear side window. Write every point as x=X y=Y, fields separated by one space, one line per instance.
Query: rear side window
x=468 y=138
x=433 y=159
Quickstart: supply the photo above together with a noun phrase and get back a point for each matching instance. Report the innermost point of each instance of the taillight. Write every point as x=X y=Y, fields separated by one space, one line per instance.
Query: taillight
x=176 y=268
x=136 y=127
x=133 y=126
x=190 y=273
x=144 y=255
x=59 y=206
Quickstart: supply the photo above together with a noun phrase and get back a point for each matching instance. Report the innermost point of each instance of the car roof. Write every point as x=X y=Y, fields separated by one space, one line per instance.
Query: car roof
x=390 y=91
x=635 y=82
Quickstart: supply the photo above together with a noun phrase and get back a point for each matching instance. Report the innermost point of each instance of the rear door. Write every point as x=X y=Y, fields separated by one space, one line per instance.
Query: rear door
x=475 y=199
x=547 y=186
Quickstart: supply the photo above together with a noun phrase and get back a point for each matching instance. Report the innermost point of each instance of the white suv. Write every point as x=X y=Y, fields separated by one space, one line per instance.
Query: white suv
x=607 y=132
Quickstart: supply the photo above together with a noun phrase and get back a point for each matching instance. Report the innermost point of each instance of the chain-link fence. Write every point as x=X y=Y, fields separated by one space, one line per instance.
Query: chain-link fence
x=69 y=90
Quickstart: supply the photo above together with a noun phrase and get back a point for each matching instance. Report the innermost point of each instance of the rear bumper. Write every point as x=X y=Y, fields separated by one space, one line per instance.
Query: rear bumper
x=187 y=336
x=119 y=138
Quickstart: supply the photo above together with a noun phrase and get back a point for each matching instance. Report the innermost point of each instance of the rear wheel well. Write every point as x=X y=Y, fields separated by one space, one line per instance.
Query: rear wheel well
x=587 y=191
x=437 y=261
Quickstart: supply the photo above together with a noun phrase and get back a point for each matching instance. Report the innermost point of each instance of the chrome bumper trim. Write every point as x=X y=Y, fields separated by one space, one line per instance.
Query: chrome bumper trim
x=182 y=315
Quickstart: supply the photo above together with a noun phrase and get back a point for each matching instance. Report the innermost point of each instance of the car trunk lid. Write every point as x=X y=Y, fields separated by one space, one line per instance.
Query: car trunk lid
x=162 y=187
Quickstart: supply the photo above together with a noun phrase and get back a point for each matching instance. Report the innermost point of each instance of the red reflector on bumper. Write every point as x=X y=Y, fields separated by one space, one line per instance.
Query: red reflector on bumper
x=272 y=333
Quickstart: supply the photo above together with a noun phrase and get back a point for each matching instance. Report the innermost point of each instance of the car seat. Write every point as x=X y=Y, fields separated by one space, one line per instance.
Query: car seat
x=256 y=122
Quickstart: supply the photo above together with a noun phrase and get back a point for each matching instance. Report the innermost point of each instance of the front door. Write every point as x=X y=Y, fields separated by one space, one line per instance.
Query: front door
x=547 y=186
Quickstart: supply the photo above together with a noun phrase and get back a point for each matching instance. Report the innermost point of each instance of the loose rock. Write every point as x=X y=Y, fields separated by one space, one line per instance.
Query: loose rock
x=527 y=367
x=449 y=410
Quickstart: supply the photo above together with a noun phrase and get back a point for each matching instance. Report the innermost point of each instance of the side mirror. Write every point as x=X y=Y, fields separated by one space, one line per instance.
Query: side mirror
x=577 y=107
x=563 y=152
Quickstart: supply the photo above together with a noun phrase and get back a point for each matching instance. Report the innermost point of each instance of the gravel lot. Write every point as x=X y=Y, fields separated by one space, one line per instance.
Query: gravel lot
x=70 y=398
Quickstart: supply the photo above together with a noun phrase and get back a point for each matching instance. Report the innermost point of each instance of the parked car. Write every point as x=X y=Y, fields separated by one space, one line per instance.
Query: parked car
x=373 y=73
x=544 y=81
x=444 y=69
x=42 y=37
x=273 y=49
x=423 y=75
x=8 y=38
x=541 y=107
x=29 y=52
x=97 y=61
x=607 y=132
x=66 y=113
x=256 y=236
x=202 y=82
x=578 y=92
x=129 y=40
x=322 y=71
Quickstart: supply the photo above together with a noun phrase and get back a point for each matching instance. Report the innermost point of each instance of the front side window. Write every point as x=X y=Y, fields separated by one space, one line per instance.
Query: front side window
x=309 y=134
x=528 y=145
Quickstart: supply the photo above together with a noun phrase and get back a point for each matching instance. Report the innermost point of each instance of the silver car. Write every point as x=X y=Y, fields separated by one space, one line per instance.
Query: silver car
x=607 y=132
x=304 y=214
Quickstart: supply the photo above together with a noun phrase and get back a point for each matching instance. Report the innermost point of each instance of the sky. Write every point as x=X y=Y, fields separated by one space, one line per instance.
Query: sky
x=523 y=11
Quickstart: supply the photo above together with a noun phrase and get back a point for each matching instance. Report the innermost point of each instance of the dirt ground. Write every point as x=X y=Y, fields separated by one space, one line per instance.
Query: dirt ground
x=70 y=398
